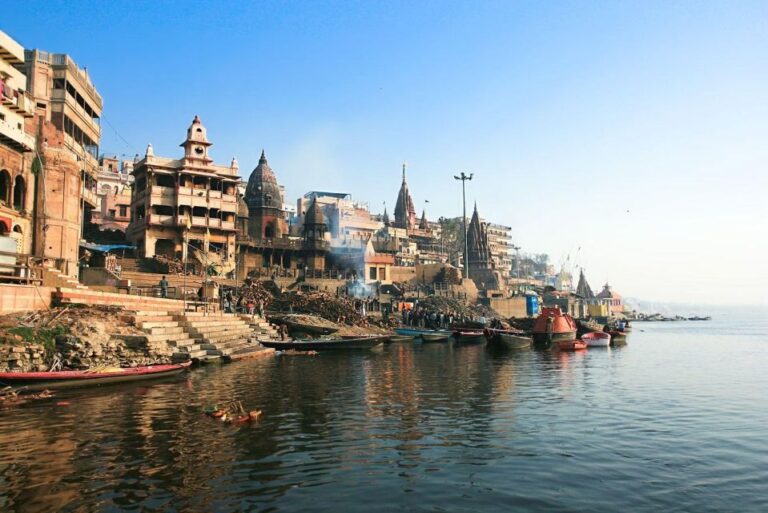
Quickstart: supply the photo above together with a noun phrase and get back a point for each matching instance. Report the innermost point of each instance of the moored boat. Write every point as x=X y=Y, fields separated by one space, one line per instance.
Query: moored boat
x=400 y=338
x=90 y=377
x=435 y=337
x=571 y=345
x=417 y=332
x=553 y=326
x=469 y=336
x=325 y=345
x=618 y=338
x=508 y=339
x=596 y=339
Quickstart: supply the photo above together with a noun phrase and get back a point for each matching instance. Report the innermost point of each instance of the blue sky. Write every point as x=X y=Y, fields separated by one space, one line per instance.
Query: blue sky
x=635 y=131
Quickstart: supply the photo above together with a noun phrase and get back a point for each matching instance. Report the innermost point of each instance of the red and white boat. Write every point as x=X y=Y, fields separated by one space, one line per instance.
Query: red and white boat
x=80 y=378
x=571 y=345
x=596 y=339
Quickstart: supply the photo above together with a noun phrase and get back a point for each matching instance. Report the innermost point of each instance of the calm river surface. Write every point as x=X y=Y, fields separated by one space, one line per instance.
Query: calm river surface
x=675 y=421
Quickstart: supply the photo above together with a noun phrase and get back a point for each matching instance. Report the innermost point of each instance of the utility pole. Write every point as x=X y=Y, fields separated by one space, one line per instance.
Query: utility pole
x=517 y=259
x=464 y=179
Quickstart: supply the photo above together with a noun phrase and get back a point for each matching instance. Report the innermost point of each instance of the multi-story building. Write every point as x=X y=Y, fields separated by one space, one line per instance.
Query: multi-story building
x=65 y=96
x=68 y=110
x=500 y=244
x=16 y=151
x=189 y=199
x=114 y=192
x=347 y=220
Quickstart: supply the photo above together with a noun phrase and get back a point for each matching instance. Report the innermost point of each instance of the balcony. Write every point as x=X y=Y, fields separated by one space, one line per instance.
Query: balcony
x=227 y=225
x=214 y=194
x=16 y=138
x=160 y=219
x=199 y=221
x=91 y=198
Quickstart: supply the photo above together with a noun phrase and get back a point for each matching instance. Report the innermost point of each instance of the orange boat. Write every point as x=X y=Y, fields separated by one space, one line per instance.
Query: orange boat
x=553 y=326
x=571 y=345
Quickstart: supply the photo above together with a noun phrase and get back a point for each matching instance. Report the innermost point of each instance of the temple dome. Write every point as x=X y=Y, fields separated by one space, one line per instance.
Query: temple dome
x=263 y=190
x=314 y=215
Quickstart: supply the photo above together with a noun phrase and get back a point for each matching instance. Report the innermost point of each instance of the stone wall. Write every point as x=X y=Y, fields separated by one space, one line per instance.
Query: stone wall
x=24 y=298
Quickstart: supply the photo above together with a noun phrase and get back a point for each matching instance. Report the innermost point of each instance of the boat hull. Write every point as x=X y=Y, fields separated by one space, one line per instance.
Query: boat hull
x=548 y=340
x=435 y=337
x=74 y=379
x=618 y=338
x=416 y=332
x=571 y=345
x=509 y=341
x=325 y=345
x=596 y=339
x=470 y=337
x=400 y=339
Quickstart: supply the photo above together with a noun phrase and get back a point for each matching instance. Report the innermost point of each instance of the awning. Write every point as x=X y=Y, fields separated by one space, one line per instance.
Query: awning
x=104 y=248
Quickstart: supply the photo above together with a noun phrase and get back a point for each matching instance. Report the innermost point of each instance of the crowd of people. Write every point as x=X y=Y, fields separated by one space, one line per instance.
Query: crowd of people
x=419 y=317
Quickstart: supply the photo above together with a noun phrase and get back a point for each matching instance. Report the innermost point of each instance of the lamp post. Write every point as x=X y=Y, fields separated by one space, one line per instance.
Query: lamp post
x=464 y=179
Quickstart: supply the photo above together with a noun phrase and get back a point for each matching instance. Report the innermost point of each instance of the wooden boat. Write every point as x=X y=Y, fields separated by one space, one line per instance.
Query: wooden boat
x=435 y=337
x=325 y=345
x=571 y=345
x=417 y=332
x=469 y=336
x=553 y=326
x=400 y=338
x=94 y=377
x=596 y=339
x=618 y=338
x=508 y=339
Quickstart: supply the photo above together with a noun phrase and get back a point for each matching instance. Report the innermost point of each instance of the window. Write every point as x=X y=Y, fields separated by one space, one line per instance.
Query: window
x=19 y=193
x=372 y=273
x=112 y=212
x=123 y=211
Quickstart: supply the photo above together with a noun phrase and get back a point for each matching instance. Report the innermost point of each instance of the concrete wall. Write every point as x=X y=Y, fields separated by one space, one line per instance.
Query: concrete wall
x=508 y=307
x=24 y=298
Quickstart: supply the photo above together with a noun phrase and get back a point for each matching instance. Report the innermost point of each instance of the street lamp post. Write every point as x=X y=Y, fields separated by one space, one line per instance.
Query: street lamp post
x=464 y=179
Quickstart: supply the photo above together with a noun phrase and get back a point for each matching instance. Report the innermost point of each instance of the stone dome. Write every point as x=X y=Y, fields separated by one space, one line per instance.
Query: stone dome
x=314 y=215
x=263 y=190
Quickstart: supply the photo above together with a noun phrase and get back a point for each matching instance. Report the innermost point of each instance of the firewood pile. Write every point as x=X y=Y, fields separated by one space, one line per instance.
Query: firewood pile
x=340 y=310
x=458 y=307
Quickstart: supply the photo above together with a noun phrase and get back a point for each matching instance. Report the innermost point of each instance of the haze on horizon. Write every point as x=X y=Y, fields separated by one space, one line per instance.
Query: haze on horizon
x=635 y=131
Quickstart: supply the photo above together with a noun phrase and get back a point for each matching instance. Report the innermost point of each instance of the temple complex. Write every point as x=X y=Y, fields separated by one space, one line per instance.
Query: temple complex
x=478 y=260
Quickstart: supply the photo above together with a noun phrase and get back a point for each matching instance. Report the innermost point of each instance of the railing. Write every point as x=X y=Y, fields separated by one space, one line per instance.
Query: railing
x=12 y=132
x=23 y=271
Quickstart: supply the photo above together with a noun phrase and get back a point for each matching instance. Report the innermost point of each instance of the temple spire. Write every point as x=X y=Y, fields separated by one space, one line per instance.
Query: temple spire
x=404 y=164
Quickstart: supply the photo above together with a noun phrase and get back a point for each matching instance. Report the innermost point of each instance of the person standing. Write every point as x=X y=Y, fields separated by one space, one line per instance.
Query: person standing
x=163 y=287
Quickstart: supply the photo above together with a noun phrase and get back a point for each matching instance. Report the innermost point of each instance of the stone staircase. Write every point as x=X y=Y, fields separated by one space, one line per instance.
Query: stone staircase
x=55 y=278
x=217 y=336
x=170 y=331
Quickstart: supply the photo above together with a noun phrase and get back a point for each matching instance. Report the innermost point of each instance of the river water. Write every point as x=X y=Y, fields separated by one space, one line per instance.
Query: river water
x=675 y=421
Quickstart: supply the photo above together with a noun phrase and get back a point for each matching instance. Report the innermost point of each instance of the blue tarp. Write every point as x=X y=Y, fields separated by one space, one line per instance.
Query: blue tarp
x=104 y=248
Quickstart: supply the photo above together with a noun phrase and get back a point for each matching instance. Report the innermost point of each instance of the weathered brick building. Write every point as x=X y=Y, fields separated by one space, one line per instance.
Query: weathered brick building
x=190 y=199
x=16 y=151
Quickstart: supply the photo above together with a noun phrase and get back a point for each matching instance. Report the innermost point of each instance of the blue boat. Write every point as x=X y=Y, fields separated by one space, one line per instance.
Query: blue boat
x=417 y=332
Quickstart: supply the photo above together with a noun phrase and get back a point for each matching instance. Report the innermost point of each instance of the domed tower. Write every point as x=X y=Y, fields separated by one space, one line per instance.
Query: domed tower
x=405 y=212
x=196 y=144
x=265 y=203
x=314 y=227
x=313 y=230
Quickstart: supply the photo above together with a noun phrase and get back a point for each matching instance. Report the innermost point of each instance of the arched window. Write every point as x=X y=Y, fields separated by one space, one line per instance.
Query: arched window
x=5 y=187
x=19 y=193
x=17 y=229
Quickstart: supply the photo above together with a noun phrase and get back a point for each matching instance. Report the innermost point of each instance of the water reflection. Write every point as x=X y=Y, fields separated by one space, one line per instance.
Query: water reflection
x=444 y=425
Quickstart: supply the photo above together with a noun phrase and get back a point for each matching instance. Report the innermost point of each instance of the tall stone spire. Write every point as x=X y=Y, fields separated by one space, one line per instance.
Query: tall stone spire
x=423 y=224
x=583 y=289
x=385 y=217
x=479 y=253
x=405 y=212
